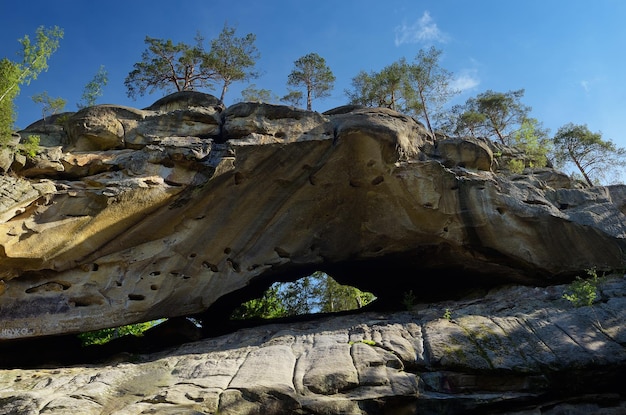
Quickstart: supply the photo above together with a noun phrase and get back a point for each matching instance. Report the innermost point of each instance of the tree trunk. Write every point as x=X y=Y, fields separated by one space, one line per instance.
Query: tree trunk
x=582 y=171
x=308 y=99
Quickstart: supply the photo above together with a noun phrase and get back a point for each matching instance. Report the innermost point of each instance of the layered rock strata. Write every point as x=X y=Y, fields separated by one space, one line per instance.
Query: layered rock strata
x=129 y=215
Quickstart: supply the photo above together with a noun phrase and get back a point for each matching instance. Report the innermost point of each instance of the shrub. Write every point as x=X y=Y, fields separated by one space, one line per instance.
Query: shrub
x=30 y=146
x=103 y=336
x=583 y=292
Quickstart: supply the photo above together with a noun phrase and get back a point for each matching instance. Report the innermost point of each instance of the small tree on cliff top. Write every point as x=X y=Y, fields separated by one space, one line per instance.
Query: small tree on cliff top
x=93 y=89
x=233 y=58
x=420 y=88
x=592 y=156
x=181 y=67
x=496 y=115
x=312 y=73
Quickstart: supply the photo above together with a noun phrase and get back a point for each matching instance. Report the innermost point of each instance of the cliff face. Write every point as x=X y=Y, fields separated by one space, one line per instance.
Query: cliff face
x=129 y=215
x=189 y=208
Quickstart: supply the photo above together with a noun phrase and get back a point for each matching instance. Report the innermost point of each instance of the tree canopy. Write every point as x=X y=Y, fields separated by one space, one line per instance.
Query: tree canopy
x=49 y=104
x=420 y=88
x=93 y=89
x=253 y=94
x=381 y=89
x=233 y=58
x=315 y=293
x=312 y=73
x=34 y=57
x=34 y=60
x=491 y=114
x=174 y=67
x=169 y=67
x=592 y=156
x=9 y=81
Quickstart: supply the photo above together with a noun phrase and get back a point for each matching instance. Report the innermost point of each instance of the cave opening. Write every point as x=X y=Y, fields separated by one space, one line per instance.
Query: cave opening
x=317 y=293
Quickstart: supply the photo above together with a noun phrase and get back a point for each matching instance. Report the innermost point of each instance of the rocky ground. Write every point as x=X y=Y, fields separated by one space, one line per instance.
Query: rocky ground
x=513 y=350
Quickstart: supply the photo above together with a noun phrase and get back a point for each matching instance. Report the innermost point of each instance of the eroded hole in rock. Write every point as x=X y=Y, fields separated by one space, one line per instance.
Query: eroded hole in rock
x=136 y=297
x=313 y=294
x=212 y=267
x=233 y=265
x=86 y=301
x=49 y=286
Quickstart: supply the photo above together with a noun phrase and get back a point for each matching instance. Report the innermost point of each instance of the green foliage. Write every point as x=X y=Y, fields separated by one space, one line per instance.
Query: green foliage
x=592 y=156
x=34 y=57
x=34 y=60
x=381 y=89
x=268 y=306
x=294 y=98
x=496 y=115
x=105 y=335
x=420 y=88
x=429 y=86
x=533 y=140
x=583 y=292
x=252 y=94
x=49 y=105
x=338 y=297
x=168 y=66
x=516 y=166
x=312 y=73
x=93 y=89
x=180 y=67
x=447 y=314
x=30 y=146
x=314 y=293
x=233 y=58
x=9 y=81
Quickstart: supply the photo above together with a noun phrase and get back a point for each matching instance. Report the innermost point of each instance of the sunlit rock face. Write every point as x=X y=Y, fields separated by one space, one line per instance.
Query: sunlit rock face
x=129 y=215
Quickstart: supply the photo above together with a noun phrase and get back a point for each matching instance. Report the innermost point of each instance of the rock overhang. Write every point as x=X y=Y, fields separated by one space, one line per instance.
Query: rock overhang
x=168 y=224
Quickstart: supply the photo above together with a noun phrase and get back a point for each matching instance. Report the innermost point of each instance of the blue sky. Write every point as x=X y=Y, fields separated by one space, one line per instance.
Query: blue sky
x=568 y=55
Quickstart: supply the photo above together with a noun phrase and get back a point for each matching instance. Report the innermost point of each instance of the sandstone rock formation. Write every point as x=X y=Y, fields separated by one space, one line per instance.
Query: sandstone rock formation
x=189 y=208
x=129 y=215
x=515 y=350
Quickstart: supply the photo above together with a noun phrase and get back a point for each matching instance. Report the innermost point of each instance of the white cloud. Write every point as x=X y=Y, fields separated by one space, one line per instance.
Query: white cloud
x=467 y=79
x=585 y=85
x=424 y=30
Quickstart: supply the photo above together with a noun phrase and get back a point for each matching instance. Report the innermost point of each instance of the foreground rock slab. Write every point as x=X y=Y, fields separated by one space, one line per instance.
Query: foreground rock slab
x=515 y=350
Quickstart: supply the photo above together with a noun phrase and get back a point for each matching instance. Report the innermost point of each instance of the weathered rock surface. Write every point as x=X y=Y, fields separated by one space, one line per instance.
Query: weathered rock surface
x=130 y=215
x=513 y=350
x=189 y=208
